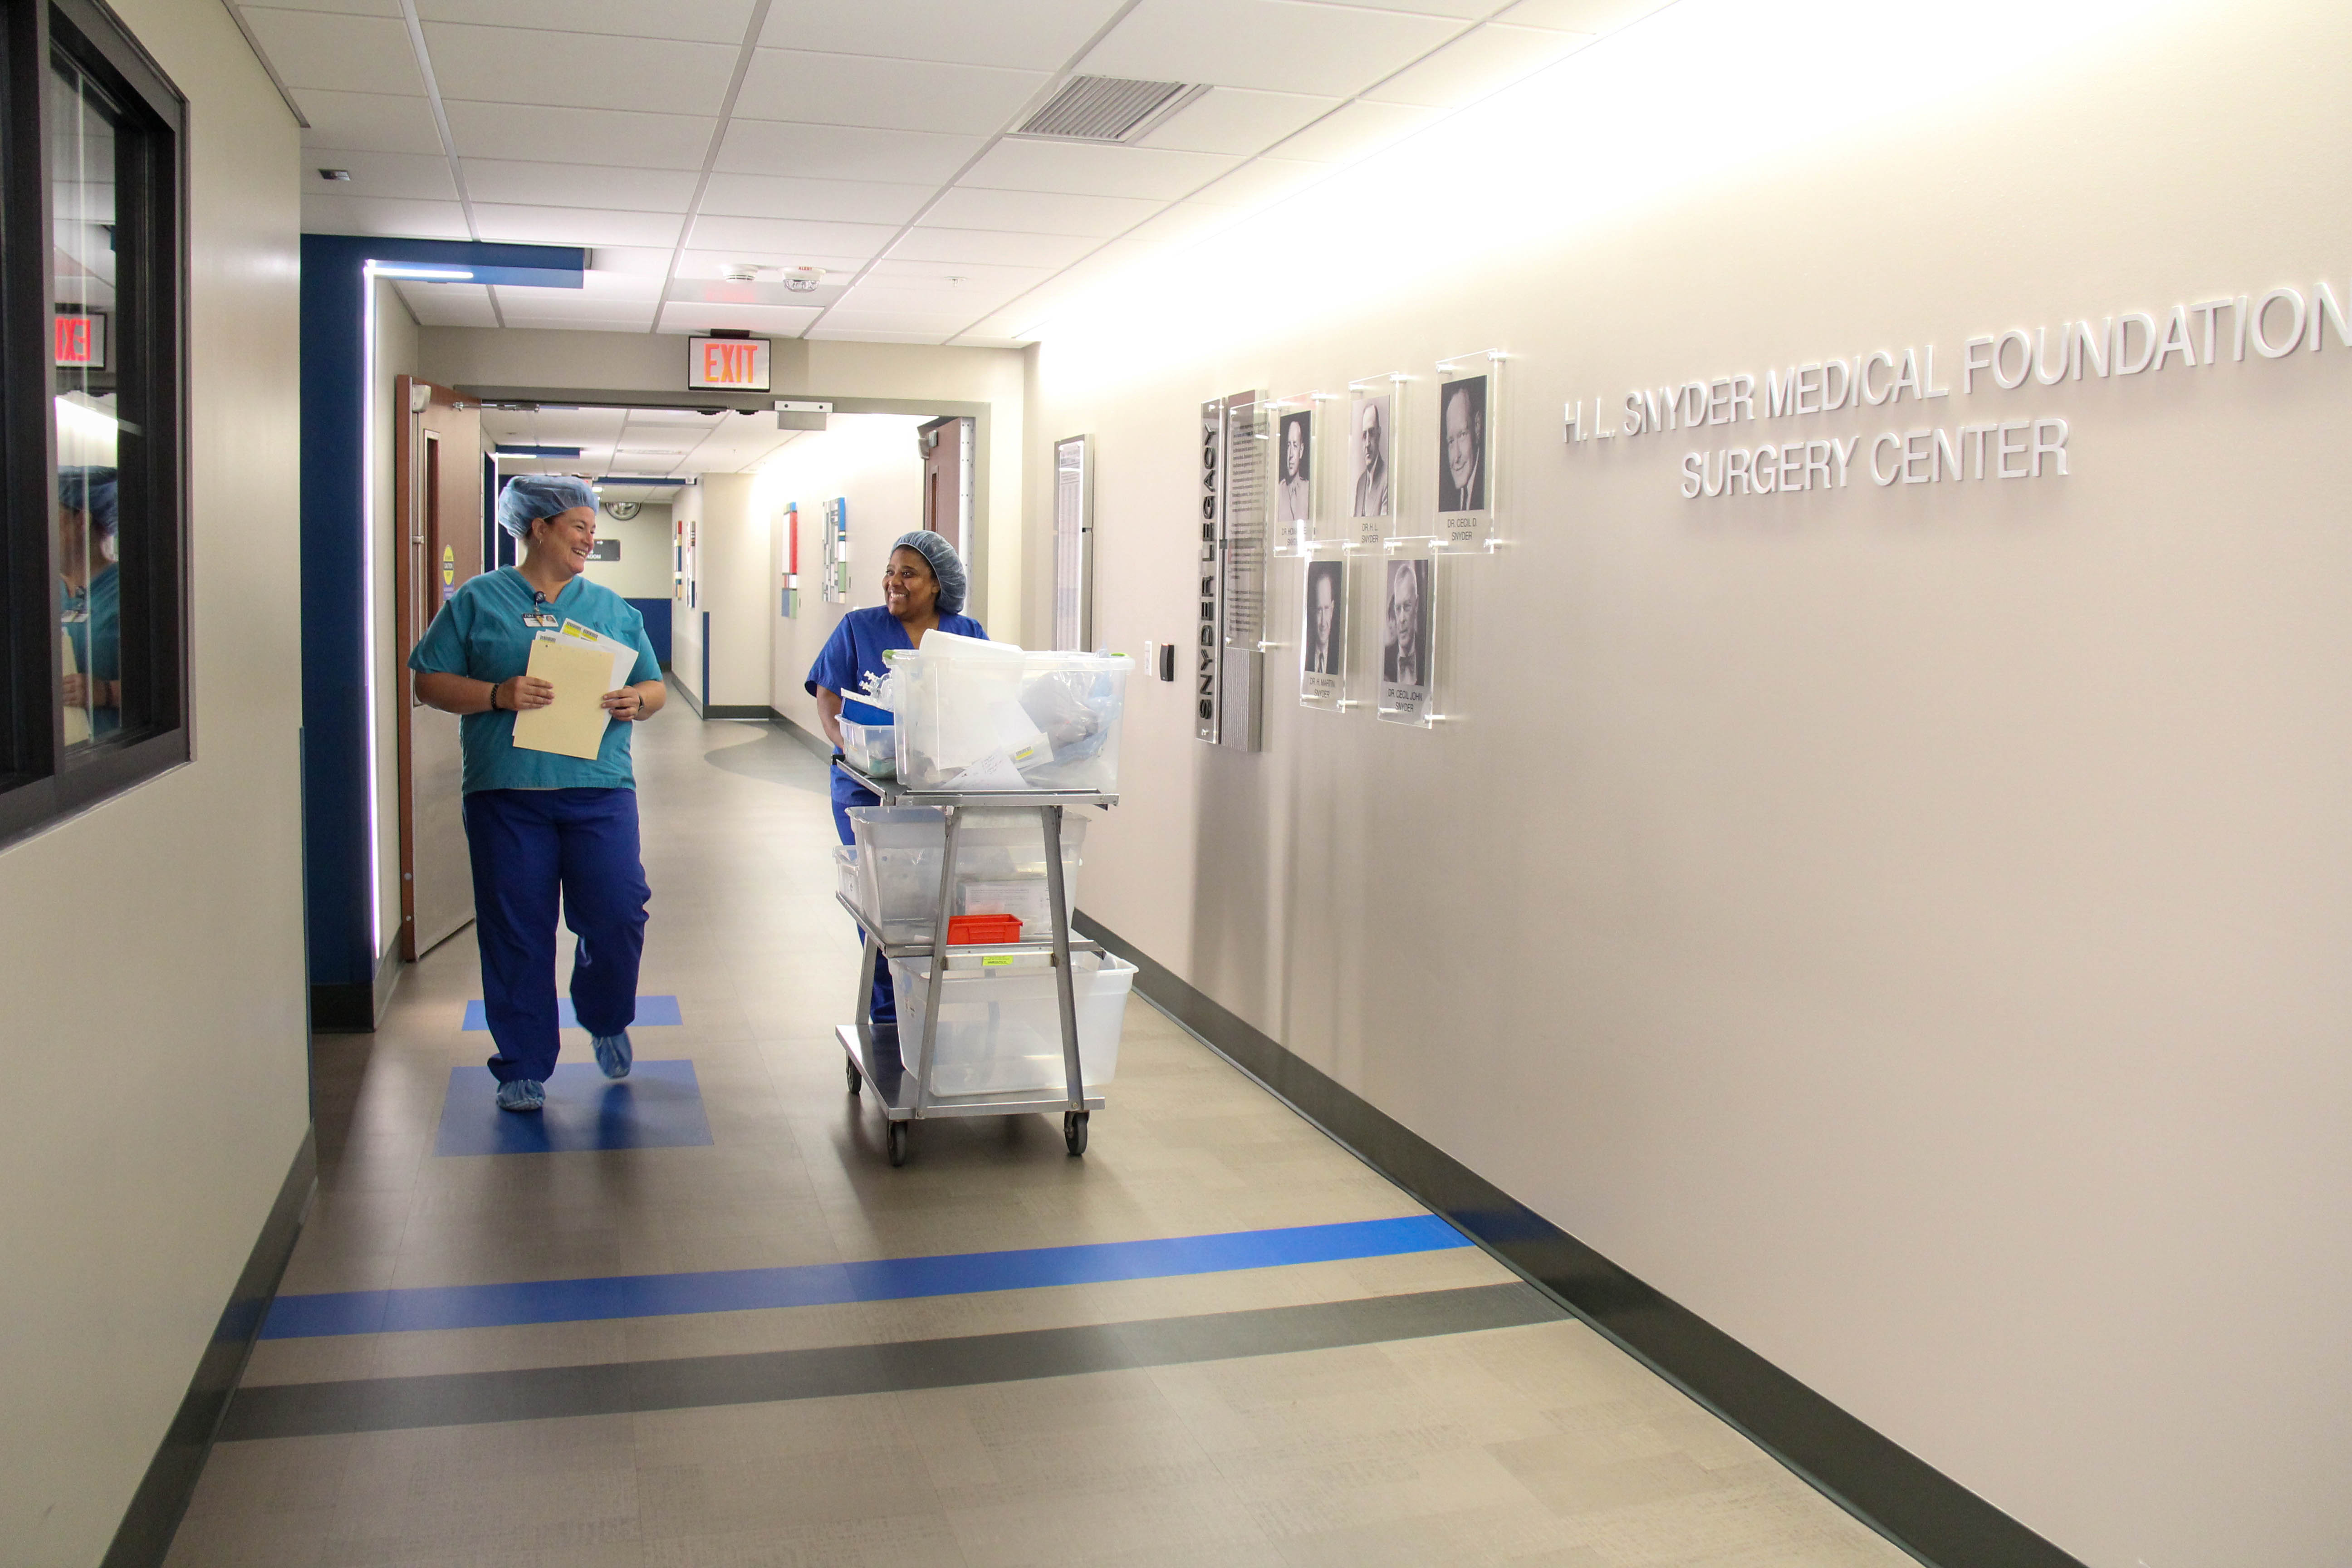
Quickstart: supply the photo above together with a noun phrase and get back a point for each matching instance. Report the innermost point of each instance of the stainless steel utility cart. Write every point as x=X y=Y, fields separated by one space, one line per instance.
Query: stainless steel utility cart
x=873 y=1053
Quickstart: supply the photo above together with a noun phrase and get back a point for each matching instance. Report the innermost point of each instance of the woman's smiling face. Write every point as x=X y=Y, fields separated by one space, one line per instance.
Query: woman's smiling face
x=566 y=537
x=909 y=587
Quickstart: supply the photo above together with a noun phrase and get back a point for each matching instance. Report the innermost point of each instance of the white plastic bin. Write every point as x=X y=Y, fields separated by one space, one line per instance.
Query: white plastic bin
x=1000 y=867
x=976 y=715
x=871 y=748
x=845 y=873
x=1001 y=1033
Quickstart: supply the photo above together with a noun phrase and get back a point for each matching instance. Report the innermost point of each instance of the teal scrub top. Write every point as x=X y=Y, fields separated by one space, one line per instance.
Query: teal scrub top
x=485 y=632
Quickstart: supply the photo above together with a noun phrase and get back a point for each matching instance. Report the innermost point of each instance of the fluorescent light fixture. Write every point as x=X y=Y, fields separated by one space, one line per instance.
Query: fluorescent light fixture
x=427 y=274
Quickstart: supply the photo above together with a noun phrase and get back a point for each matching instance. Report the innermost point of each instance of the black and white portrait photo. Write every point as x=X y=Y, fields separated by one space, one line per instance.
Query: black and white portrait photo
x=1461 y=445
x=1325 y=634
x=1404 y=635
x=1294 y=489
x=1373 y=434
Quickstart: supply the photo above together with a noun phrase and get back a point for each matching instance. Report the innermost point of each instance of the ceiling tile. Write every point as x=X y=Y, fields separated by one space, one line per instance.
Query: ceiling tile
x=632 y=262
x=619 y=137
x=1469 y=68
x=698 y=264
x=341 y=53
x=368 y=214
x=447 y=304
x=713 y=232
x=400 y=174
x=1148 y=171
x=896 y=322
x=860 y=335
x=1262 y=181
x=1581 y=16
x=1015 y=33
x=579 y=185
x=705 y=21
x=521 y=65
x=832 y=201
x=902 y=95
x=937 y=276
x=1460 y=10
x=983 y=246
x=575 y=225
x=946 y=304
x=1280 y=46
x=689 y=316
x=1038 y=212
x=541 y=308
x=374 y=122
x=1237 y=120
x=347 y=8
x=1187 y=223
x=1357 y=131
x=845 y=152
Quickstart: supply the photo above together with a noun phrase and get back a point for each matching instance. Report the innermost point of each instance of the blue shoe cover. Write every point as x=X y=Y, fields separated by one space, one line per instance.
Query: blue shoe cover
x=614 y=1055
x=522 y=1094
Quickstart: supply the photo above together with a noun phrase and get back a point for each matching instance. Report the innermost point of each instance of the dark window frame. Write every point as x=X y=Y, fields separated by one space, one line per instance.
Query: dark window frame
x=39 y=783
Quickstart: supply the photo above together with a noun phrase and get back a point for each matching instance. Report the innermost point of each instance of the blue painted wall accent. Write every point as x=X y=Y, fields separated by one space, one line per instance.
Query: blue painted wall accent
x=656 y=615
x=334 y=565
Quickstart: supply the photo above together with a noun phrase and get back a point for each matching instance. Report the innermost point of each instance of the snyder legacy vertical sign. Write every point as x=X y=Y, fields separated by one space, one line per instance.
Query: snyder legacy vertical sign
x=1228 y=669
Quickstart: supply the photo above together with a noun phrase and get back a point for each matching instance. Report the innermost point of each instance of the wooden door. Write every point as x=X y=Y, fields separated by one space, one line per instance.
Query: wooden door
x=946 y=479
x=437 y=523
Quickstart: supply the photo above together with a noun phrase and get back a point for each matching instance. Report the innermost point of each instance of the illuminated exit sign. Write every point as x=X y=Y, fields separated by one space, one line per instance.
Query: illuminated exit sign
x=728 y=365
x=81 y=341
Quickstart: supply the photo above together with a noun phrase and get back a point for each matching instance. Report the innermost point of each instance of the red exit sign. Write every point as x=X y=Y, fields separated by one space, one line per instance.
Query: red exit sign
x=728 y=365
x=81 y=341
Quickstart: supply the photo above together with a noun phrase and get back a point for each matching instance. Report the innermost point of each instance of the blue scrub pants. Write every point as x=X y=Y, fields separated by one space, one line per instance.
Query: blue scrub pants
x=844 y=796
x=527 y=846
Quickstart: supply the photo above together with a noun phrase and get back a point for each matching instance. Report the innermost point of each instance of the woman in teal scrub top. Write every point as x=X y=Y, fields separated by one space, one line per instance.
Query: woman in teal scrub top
x=538 y=825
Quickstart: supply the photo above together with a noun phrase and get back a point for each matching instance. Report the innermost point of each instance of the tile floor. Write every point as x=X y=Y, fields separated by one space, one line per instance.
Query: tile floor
x=1538 y=1445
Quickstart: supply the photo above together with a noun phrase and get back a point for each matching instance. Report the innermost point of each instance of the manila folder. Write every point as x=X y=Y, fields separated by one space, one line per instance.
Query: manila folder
x=573 y=724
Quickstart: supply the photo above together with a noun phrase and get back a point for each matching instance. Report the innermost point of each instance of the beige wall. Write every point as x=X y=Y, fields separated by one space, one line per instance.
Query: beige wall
x=871 y=461
x=656 y=363
x=736 y=547
x=153 y=1026
x=1906 y=926
x=643 y=569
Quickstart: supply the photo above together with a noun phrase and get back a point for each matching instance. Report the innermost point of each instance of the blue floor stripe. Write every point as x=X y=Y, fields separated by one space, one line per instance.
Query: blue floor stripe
x=651 y=1010
x=817 y=1284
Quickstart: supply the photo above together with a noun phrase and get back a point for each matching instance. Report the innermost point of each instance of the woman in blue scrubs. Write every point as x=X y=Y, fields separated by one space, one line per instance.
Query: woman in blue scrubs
x=538 y=825
x=922 y=590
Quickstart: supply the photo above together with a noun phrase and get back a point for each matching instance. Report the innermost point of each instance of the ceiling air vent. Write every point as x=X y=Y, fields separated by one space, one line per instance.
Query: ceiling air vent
x=1106 y=108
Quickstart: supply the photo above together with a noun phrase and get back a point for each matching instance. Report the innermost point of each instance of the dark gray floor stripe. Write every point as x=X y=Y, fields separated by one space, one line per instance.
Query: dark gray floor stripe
x=463 y=1399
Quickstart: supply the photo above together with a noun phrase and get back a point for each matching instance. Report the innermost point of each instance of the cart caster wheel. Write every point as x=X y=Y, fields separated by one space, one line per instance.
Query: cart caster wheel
x=898 y=1142
x=1073 y=1131
x=856 y=1078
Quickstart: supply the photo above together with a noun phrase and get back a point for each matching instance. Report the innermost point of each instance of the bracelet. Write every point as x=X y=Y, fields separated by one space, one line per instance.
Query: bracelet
x=494 y=696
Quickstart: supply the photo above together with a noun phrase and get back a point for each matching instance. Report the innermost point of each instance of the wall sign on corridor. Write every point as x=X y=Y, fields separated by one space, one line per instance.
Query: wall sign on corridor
x=2031 y=445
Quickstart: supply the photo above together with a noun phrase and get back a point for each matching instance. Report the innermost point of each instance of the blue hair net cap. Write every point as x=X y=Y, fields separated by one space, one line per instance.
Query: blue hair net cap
x=946 y=565
x=92 y=489
x=530 y=497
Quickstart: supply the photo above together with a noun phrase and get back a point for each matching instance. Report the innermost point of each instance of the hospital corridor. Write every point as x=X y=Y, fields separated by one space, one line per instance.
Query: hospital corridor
x=1174 y=783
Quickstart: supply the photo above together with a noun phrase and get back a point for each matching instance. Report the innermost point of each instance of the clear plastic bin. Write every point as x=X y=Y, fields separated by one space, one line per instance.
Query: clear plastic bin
x=1000 y=867
x=871 y=748
x=1001 y=1033
x=976 y=715
x=845 y=872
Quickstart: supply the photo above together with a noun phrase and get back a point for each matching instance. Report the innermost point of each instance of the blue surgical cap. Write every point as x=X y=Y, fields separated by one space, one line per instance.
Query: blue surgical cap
x=530 y=497
x=92 y=489
x=946 y=565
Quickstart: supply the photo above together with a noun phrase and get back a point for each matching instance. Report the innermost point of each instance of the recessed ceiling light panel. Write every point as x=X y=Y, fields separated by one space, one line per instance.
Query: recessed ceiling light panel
x=1107 y=109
